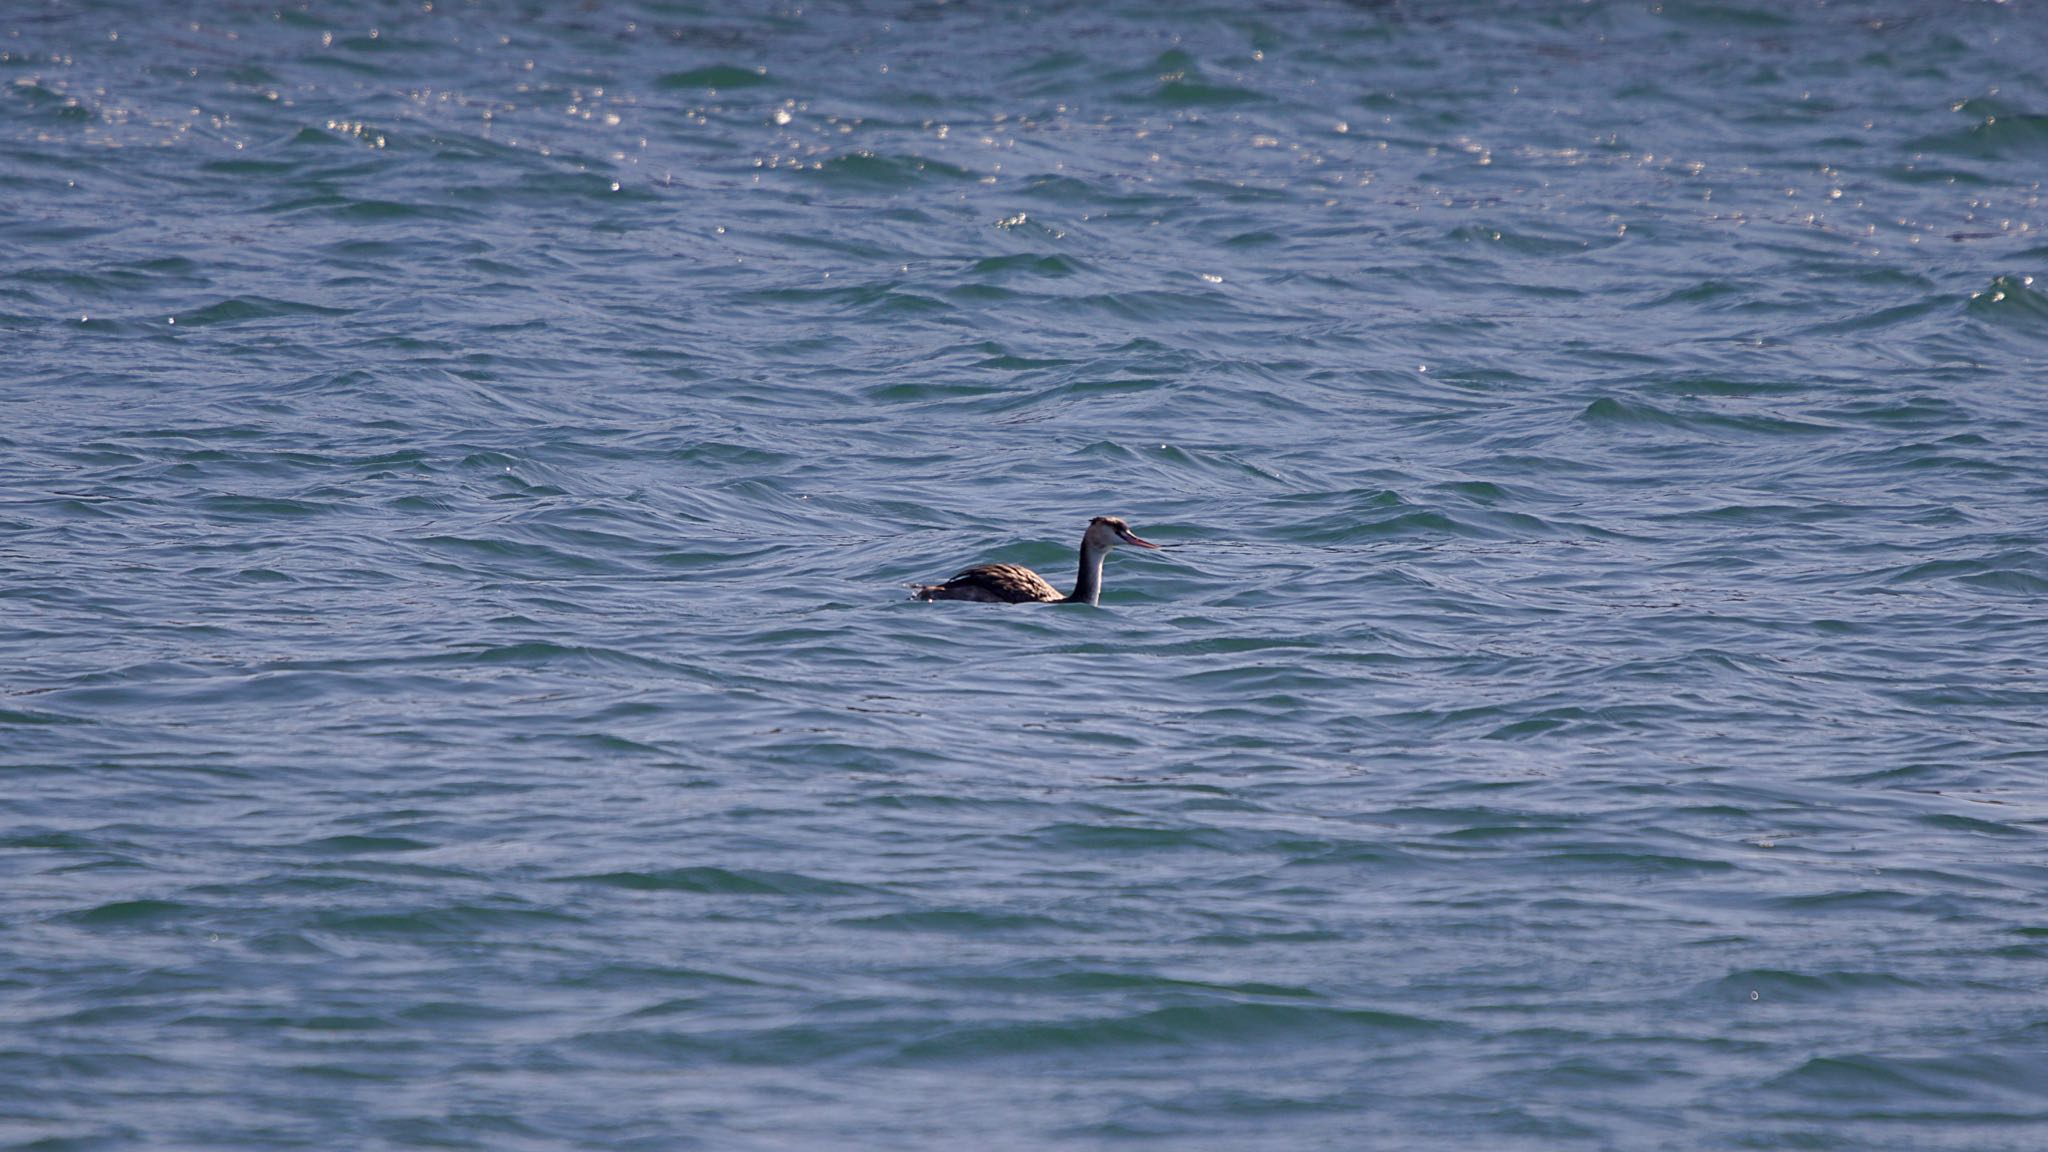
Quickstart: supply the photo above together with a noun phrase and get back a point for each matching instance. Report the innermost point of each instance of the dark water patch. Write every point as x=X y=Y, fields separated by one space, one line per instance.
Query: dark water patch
x=50 y=841
x=961 y=923
x=1721 y=16
x=22 y=716
x=2017 y=572
x=1988 y=128
x=259 y=509
x=1888 y=1084
x=136 y=914
x=1693 y=387
x=2008 y=581
x=1131 y=839
x=1100 y=981
x=252 y=168
x=369 y=211
x=538 y=654
x=844 y=1043
x=1934 y=413
x=1717 y=292
x=1072 y=194
x=1528 y=243
x=1610 y=412
x=1874 y=900
x=1781 y=986
x=1000 y=360
x=359 y=845
x=56 y=110
x=714 y=76
x=1385 y=516
x=2011 y=300
x=878 y=301
x=1256 y=1025
x=1488 y=494
x=640 y=978
x=714 y=881
x=514 y=556
x=456 y=921
x=1188 y=88
x=595 y=187
x=1025 y=264
x=1884 y=319
x=1759 y=515
x=1170 y=307
x=871 y=170
x=917 y=393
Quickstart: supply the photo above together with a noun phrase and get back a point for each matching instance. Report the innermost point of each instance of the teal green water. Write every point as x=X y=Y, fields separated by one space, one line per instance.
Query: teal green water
x=460 y=472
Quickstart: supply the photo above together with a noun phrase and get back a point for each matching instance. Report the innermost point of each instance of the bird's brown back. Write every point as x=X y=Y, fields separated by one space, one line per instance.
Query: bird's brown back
x=993 y=583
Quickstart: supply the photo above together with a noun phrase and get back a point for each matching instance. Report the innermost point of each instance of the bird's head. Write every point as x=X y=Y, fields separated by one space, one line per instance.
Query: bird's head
x=1106 y=532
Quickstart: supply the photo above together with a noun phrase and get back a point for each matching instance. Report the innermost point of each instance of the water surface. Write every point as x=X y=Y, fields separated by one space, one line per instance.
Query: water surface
x=459 y=471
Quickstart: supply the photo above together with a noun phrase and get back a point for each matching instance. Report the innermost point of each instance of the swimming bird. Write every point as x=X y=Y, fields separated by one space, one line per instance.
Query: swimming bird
x=1015 y=584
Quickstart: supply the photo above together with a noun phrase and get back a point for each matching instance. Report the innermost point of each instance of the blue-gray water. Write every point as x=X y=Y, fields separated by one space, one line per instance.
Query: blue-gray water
x=460 y=467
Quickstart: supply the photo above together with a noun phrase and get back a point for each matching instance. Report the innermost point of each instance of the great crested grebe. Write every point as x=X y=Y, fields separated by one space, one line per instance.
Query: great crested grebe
x=1015 y=584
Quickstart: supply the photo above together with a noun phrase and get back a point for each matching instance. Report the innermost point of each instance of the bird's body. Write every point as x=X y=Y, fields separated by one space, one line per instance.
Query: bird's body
x=994 y=584
x=1014 y=584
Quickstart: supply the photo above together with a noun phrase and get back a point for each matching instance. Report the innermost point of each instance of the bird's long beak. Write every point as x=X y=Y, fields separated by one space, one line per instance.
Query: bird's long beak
x=1132 y=538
